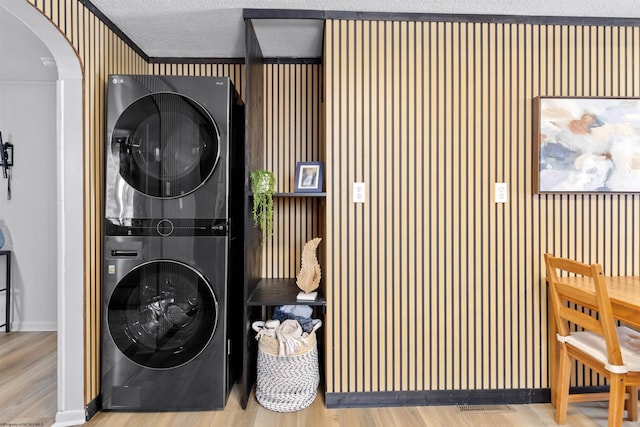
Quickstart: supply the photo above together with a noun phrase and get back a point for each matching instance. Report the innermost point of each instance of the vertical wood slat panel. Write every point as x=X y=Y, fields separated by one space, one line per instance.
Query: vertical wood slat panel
x=367 y=260
x=330 y=325
x=291 y=117
x=455 y=298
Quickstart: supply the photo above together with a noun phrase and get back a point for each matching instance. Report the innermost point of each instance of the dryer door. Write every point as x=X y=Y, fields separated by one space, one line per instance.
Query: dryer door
x=167 y=145
x=162 y=314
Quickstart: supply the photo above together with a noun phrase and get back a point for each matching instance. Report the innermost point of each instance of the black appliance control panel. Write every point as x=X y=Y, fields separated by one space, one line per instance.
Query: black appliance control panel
x=166 y=227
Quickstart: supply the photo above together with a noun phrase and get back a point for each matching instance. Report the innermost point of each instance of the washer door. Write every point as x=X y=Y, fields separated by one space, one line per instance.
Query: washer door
x=162 y=314
x=167 y=145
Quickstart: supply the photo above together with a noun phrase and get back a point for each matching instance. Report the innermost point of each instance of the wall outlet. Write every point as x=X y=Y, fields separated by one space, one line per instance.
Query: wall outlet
x=358 y=192
x=501 y=192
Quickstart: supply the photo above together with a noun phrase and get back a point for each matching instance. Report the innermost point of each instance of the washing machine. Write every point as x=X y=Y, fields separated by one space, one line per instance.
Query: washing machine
x=174 y=180
x=169 y=147
x=165 y=342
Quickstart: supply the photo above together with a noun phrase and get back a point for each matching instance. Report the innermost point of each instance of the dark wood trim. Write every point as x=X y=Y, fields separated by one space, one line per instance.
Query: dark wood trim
x=190 y=60
x=439 y=397
x=437 y=17
x=448 y=397
x=282 y=14
x=93 y=407
x=113 y=27
x=476 y=18
x=254 y=159
x=271 y=60
x=292 y=60
x=318 y=194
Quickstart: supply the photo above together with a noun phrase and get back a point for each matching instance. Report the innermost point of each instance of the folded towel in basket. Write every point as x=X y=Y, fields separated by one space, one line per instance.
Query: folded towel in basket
x=290 y=336
x=281 y=314
x=286 y=338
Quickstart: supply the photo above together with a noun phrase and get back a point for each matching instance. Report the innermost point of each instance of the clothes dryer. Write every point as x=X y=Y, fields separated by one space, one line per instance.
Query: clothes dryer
x=168 y=145
x=173 y=222
x=165 y=340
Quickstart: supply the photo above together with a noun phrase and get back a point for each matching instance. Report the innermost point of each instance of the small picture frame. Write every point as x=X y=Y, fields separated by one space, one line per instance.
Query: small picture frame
x=308 y=177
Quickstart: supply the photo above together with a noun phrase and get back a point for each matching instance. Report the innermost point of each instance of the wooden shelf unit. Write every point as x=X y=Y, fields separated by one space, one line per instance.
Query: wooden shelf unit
x=273 y=292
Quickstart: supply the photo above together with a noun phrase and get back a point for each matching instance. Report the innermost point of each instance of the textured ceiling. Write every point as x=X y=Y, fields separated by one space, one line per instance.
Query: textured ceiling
x=215 y=28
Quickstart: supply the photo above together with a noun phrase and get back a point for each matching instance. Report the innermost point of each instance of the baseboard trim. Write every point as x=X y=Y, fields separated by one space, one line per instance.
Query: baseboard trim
x=69 y=418
x=93 y=407
x=439 y=397
x=21 y=326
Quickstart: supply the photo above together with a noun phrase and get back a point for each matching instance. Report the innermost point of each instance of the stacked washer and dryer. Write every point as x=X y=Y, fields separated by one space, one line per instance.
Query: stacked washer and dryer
x=173 y=225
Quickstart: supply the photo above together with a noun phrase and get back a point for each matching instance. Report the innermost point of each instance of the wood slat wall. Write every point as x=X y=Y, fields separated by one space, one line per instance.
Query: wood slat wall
x=292 y=134
x=431 y=285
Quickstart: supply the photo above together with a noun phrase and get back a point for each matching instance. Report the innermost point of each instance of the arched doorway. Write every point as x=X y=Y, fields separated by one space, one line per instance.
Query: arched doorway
x=69 y=198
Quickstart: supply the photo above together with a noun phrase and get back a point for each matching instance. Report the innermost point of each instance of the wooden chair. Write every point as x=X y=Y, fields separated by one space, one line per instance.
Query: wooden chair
x=613 y=352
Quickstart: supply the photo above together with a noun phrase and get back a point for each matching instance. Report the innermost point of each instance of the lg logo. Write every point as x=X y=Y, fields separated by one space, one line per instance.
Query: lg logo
x=115 y=81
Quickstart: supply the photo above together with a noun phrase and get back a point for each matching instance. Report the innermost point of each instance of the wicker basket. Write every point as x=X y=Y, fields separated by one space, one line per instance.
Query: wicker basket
x=287 y=383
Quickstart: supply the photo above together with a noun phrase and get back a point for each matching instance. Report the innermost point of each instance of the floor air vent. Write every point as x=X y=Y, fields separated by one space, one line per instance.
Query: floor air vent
x=484 y=408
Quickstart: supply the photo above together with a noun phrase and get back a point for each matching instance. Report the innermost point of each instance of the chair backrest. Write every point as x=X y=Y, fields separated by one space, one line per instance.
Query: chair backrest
x=592 y=313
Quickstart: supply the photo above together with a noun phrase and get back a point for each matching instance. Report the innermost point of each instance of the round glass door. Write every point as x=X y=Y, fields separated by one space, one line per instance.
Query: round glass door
x=167 y=145
x=162 y=314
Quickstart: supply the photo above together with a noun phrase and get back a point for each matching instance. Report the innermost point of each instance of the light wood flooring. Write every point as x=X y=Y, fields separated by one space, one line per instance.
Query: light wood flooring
x=28 y=397
x=28 y=378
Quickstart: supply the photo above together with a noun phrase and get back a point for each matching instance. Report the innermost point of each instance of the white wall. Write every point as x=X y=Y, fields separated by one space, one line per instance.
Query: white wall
x=27 y=119
x=69 y=204
x=21 y=52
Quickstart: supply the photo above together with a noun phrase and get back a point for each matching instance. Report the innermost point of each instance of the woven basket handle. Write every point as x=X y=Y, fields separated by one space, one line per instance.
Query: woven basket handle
x=260 y=325
x=316 y=324
x=257 y=326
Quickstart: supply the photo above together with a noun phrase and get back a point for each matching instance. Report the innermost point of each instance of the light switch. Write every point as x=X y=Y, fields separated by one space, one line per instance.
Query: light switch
x=501 y=192
x=358 y=192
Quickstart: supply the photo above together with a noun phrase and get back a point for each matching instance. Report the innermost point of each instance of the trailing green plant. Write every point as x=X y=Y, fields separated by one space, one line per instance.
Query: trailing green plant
x=263 y=184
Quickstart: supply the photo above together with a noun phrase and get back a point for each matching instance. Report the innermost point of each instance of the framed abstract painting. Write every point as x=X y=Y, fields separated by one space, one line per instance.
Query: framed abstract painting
x=586 y=145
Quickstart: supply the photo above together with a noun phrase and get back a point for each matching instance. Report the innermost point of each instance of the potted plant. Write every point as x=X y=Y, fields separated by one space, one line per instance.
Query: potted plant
x=263 y=184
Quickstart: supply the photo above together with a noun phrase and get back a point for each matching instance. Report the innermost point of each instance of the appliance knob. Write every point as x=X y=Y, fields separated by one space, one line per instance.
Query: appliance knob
x=164 y=227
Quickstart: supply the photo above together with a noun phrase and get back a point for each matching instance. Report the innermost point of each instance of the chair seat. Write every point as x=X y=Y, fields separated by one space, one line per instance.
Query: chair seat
x=594 y=345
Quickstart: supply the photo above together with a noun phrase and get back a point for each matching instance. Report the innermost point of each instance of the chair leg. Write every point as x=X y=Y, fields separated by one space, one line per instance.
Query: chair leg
x=632 y=403
x=616 y=400
x=562 y=386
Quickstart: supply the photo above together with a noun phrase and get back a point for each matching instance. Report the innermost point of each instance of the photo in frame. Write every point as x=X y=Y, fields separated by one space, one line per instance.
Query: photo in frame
x=586 y=145
x=308 y=178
